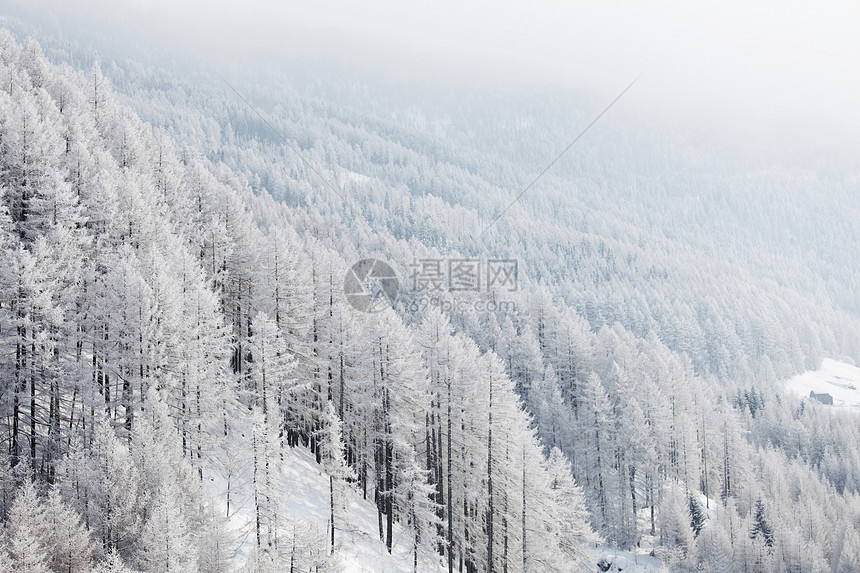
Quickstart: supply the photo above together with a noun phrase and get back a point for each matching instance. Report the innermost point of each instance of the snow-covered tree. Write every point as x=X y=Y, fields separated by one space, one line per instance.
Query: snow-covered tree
x=28 y=532
x=571 y=521
x=69 y=547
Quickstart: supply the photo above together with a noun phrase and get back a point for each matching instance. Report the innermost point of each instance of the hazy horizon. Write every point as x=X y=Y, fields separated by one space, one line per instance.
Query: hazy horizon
x=760 y=62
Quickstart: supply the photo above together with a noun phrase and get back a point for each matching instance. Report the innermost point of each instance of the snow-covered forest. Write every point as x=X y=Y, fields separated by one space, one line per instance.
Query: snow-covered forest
x=175 y=335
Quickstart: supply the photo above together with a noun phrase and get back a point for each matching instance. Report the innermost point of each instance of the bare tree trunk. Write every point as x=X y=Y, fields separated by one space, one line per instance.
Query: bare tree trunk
x=450 y=497
x=490 y=482
x=331 y=499
x=256 y=488
x=505 y=538
x=389 y=472
x=705 y=463
x=525 y=567
x=652 y=503
x=20 y=385
x=33 y=409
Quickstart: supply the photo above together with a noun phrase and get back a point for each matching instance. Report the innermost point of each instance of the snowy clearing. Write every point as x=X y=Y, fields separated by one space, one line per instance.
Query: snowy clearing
x=627 y=561
x=305 y=500
x=838 y=379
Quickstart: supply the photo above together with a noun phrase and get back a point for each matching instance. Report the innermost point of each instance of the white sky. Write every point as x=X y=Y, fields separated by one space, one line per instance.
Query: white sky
x=763 y=57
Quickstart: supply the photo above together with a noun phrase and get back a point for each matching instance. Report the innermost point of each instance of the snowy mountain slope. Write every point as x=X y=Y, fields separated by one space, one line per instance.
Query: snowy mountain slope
x=304 y=494
x=233 y=329
x=618 y=383
x=661 y=215
x=304 y=487
x=838 y=379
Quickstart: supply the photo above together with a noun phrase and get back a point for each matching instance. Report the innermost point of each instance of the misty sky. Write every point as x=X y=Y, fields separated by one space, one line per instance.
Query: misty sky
x=774 y=58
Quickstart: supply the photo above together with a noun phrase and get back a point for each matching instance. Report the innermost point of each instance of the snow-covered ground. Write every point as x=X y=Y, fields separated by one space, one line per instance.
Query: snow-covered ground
x=305 y=499
x=840 y=380
x=304 y=491
x=356 y=178
x=615 y=560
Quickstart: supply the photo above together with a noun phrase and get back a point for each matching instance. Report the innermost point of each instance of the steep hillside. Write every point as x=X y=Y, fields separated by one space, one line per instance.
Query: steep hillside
x=188 y=299
x=719 y=239
x=153 y=334
x=304 y=495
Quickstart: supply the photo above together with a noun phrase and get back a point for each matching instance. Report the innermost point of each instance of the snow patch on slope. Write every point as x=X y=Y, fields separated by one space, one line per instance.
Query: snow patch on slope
x=306 y=497
x=615 y=560
x=840 y=380
x=304 y=490
x=356 y=178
